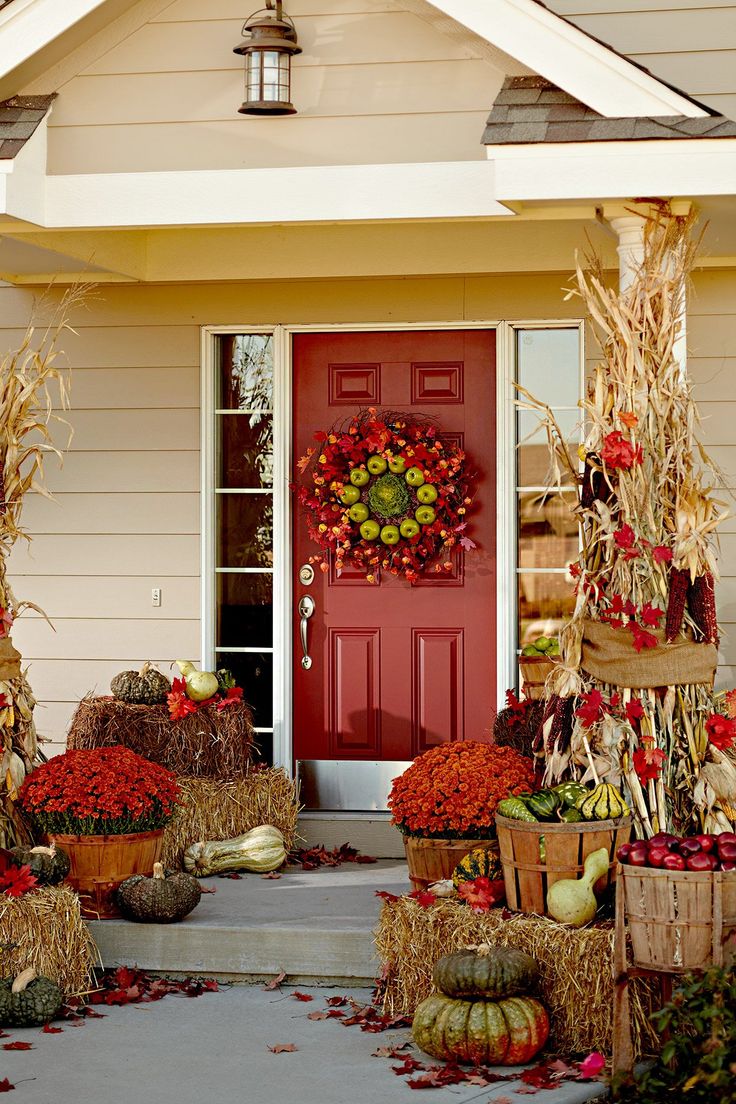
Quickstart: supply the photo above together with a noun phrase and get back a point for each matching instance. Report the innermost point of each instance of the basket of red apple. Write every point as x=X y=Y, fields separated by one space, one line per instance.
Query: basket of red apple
x=680 y=900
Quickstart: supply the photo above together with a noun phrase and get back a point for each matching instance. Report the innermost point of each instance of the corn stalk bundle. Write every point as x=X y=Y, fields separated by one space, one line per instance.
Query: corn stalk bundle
x=32 y=387
x=633 y=694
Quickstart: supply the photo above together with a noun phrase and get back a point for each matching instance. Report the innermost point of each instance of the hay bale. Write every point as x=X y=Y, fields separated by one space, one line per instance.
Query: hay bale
x=44 y=929
x=217 y=809
x=205 y=744
x=576 y=967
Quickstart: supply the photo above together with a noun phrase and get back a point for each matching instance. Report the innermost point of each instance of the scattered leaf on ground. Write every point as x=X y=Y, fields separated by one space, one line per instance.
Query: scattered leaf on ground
x=390 y=1051
x=272 y=875
x=283 y=1048
x=408 y=1065
x=49 y=1030
x=312 y=857
x=5 y=1085
x=275 y=983
x=301 y=996
x=18 y=1046
x=318 y=1016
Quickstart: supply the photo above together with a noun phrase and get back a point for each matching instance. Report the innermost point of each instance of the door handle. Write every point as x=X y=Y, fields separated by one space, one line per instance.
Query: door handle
x=306 y=609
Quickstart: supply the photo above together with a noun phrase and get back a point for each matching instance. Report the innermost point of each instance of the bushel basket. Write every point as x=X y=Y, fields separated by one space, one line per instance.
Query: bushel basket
x=535 y=856
x=679 y=919
x=433 y=860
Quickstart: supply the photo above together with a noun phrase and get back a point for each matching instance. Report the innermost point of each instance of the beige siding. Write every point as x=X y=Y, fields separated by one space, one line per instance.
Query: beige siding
x=374 y=83
x=126 y=515
x=689 y=43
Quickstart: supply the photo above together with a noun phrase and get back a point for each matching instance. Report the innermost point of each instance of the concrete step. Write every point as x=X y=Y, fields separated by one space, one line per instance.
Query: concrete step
x=372 y=833
x=316 y=926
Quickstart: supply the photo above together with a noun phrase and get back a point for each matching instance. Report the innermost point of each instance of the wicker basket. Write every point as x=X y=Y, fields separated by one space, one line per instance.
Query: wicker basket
x=679 y=919
x=566 y=846
x=432 y=860
x=534 y=671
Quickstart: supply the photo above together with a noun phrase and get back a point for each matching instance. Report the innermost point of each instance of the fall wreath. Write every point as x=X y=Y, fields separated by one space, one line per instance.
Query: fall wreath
x=386 y=492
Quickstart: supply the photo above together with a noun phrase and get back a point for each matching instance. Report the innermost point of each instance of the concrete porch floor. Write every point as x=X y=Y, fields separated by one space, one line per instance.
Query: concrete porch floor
x=316 y=926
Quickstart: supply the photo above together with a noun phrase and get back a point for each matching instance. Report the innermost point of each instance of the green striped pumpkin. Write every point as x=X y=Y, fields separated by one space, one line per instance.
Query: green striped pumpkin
x=480 y=1032
x=481 y=862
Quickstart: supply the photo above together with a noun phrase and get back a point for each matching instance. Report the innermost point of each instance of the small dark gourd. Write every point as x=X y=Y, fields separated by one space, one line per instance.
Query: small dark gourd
x=145 y=687
x=165 y=898
x=485 y=971
x=48 y=864
x=475 y=1018
x=29 y=1001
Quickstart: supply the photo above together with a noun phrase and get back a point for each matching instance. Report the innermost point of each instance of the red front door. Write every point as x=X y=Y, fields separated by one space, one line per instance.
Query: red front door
x=398 y=668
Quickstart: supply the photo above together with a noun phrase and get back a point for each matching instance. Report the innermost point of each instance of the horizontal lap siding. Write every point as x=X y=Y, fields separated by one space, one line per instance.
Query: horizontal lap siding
x=375 y=83
x=689 y=43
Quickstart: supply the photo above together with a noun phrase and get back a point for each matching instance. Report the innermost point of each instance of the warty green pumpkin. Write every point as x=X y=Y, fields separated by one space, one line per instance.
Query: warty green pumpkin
x=479 y=1032
x=165 y=898
x=29 y=1000
x=485 y=971
x=49 y=865
x=145 y=687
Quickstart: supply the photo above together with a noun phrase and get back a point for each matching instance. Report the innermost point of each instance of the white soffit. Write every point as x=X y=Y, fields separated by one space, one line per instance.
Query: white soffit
x=569 y=58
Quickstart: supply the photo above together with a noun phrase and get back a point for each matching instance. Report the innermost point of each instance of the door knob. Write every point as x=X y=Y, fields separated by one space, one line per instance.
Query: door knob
x=306 y=609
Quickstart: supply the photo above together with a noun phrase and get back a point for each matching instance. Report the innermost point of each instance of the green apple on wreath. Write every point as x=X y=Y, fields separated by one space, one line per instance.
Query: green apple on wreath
x=386 y=492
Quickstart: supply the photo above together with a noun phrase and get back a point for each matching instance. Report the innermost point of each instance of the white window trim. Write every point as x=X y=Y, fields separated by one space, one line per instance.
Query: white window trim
x=506 y=525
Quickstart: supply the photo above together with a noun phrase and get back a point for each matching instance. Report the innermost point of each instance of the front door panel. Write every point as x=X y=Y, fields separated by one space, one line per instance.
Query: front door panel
x=397 y=669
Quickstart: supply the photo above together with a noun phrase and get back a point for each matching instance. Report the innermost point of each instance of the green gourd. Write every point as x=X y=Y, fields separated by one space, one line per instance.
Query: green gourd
x=570 y=793
x=515 y=809
x=570 y=816
x=29 y=1000
x=485 y=971
x=543 y=803
x=572 y=901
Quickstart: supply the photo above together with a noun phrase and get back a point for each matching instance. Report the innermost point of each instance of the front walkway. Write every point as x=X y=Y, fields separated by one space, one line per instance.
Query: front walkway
x=216 y=1049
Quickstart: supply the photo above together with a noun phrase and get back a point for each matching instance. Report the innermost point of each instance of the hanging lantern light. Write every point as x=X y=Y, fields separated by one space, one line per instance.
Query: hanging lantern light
x=267 y=51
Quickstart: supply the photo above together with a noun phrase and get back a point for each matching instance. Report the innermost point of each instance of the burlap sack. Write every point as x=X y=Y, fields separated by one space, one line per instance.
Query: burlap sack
x=609 y=656
x=9 y=660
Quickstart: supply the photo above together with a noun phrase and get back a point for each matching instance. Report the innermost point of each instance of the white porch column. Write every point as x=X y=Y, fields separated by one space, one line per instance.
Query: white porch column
x=629 y=229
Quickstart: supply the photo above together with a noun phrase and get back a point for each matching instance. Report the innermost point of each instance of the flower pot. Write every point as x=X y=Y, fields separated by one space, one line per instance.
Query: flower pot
x=100 y=863
x=432 y=860
x=529 y=870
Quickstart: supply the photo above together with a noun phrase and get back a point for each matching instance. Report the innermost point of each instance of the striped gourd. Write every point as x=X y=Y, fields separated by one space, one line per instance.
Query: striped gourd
x=478 y=863
x=603 y=803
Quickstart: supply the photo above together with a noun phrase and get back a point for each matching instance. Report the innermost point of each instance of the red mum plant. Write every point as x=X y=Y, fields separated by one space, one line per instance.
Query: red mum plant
x=452 y=791
x=100 y=791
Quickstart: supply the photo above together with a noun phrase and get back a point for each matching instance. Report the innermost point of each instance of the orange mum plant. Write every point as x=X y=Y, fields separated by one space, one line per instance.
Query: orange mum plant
x=452 y=791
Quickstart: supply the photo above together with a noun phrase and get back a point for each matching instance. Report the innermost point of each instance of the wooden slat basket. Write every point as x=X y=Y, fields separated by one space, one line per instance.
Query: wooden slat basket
x=534 y=671
x=432 y=860
x=566 y=846
x=679 y=919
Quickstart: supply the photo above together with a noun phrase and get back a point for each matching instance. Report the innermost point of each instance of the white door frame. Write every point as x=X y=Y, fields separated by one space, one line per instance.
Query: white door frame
x=506 y=659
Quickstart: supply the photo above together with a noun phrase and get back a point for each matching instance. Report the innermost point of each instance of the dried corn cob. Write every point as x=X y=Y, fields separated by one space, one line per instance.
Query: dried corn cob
x=679 y=583
x=557 y=723
x=701 y=599
x=594 y=486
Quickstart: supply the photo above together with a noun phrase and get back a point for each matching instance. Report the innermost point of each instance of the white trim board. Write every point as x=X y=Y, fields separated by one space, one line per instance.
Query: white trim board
x=570 y=58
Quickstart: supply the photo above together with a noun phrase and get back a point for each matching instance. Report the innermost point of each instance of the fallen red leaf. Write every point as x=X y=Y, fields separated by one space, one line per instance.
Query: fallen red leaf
x=283 y=1048
x=318 y=1016
x=312 y=857
x=272 y=875
x=408 y=1065
x=5 y=1085
x=49 y=1030
x=17 y=1046
x=275 y=983
x=540 y=1076
x=337 y=1002
x=301 y=996
x=390 y=1051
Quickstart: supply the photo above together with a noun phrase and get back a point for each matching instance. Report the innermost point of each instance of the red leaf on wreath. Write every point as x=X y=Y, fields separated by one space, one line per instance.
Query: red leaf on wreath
x=625 y=537
x=651 y=615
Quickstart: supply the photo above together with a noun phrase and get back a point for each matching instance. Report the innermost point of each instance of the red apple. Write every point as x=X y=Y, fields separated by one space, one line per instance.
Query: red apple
x=701 y=861
x=674 y=843
x=689 y=846
x=707 y=843
x=623 y=851
x=726 y=851
x=638 y=855
x=726 y=837
x=657 y=855
x=674 y=862
x=728 y=866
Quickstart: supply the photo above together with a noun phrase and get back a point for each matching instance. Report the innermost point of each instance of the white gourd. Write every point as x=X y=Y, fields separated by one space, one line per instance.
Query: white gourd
x=201 y=685
x=260 y=851
x=572 y=901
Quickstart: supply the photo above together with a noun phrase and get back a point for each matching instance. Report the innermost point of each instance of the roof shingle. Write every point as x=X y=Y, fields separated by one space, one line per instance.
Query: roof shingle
x=19 y=117
x=531 y=109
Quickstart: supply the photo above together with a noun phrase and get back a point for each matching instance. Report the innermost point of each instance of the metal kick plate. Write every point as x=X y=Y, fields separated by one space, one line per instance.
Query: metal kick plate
x=344 y=785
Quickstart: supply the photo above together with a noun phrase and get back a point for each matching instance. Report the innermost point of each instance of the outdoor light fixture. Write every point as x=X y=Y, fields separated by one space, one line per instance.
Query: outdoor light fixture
x=270 y=42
